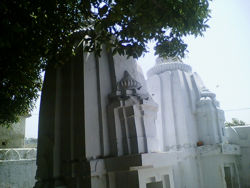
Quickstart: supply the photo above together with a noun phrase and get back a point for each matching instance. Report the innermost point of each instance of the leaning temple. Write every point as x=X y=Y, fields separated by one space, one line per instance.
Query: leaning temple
x=102 y=125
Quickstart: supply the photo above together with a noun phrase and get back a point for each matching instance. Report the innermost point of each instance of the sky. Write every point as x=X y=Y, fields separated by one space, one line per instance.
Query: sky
x=221 y=57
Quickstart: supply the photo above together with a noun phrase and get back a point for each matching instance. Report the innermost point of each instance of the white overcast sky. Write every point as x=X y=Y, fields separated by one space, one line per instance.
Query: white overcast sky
x=221 y=58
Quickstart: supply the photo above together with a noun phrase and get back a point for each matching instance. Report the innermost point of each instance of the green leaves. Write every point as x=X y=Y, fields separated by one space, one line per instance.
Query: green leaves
x=103 y=11
x=36 y=33
x=136 y=22
x=235 y=122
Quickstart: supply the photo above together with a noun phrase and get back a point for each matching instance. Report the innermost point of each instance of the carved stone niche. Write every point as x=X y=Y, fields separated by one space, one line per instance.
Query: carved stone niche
x=210 y=118
x=132 y=116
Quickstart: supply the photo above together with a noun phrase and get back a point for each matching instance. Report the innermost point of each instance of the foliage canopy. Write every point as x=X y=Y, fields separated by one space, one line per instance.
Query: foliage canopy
x=35 y=33
x=235 y=122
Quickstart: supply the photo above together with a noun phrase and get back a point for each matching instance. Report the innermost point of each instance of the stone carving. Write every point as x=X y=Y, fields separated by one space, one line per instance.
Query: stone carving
x=128 y=83
x=128 y=87
x=168 y=64
x=115 y=139
x=133 y=115
x=209 y=149
x=168 y=60
x=207 y=93
x=180 y=147
x=210 y=118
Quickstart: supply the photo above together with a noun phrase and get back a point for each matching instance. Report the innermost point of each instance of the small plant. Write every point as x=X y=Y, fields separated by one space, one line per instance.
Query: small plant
x=235 y=122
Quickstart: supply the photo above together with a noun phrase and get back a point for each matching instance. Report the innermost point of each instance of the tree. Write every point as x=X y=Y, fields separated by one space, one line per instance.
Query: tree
x=235 y=122
x=38 y=33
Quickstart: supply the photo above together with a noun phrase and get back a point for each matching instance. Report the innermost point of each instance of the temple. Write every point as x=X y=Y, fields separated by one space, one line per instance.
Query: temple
x=190 y=124
x=102 y=125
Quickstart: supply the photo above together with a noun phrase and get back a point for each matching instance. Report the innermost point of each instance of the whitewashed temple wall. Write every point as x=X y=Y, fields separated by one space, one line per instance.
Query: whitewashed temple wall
x=191 y=123
x=187 y=109
x=101 y=77
x=240 y=135
x=173 y=91
x=188 y=114
x=92 y=108
x=98 y=86
x=213 y=172
x=100 y=123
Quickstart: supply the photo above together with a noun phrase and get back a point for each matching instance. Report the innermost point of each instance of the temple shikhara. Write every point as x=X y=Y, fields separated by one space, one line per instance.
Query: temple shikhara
x=103 y=125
